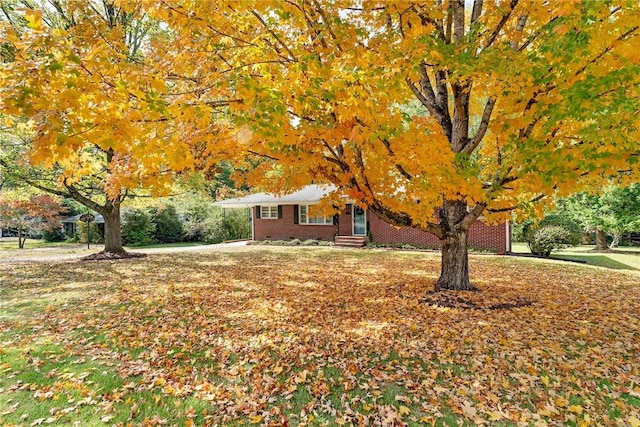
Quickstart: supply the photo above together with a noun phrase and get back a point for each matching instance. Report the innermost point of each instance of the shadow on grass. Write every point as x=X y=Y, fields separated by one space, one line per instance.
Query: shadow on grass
x=597 y=260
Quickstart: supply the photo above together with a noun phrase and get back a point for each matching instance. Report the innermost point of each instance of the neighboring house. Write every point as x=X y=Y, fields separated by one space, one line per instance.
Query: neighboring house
x=70 y=224
x=291 y=217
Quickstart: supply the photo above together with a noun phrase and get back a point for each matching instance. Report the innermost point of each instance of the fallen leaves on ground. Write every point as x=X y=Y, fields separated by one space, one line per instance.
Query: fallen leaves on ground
x=293 y=336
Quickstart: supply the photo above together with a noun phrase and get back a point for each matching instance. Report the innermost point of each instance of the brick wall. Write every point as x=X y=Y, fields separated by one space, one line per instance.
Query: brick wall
x=481 y=236
x=285 y=229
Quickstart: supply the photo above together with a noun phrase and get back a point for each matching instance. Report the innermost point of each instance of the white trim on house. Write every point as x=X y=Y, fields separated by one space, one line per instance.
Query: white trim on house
x=507 y=237
x=353 y=220
x=309 y=195
x=270 y=213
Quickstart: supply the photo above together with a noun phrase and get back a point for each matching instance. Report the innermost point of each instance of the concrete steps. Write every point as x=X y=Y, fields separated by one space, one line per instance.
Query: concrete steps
x=351 y=241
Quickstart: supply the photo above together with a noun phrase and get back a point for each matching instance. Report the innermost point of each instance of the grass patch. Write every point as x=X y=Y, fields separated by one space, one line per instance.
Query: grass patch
x=168 y=245
x=606 y=261
x=11 y=243
x=314 y=336
x=625 y=258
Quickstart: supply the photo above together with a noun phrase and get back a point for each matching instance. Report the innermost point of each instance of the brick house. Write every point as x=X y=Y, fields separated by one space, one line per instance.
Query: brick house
x=291 y=216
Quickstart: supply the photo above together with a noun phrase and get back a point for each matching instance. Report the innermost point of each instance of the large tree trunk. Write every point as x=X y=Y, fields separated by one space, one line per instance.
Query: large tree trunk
x=601 y=240
x=112 y=234
x=454 y=272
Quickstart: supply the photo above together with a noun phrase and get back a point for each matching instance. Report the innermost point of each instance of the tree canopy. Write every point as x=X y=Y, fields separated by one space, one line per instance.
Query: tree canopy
x=26 y=214
x=520 y=100
x=614 y=210
x=86 y=108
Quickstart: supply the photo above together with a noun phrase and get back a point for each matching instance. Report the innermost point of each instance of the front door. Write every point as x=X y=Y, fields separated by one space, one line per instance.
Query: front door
x=359 y=221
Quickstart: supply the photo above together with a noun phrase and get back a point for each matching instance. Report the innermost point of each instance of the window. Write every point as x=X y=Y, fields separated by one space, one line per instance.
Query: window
x=306 y=216
x=269 y=212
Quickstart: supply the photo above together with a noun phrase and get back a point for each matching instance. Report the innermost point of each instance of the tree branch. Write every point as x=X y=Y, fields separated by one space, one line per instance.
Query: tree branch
x=471 y=144
x=514 y=207
x=402 y=219
x=477 y=11
x=501 y=24
x=398 y=166
x=275 y=36
x=327 y=24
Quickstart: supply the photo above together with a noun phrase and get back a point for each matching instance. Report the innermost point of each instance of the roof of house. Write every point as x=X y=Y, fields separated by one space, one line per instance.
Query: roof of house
x=311 y=194
x=98 y=218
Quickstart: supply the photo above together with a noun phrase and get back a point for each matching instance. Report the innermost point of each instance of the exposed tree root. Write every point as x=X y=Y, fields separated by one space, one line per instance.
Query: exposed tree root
x=106 y=256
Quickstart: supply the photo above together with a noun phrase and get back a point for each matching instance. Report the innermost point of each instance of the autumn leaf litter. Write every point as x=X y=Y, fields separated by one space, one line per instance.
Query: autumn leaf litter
x=315 y=336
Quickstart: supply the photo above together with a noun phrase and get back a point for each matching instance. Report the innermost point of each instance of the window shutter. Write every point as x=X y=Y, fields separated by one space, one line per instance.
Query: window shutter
x=336 y=219
x=279 y=211
x=296 y=214
x=257 y=211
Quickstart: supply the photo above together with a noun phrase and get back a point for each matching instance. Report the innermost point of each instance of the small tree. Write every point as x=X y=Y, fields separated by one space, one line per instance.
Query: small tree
x=137 y=228
x=552 y=233
x=35 y=214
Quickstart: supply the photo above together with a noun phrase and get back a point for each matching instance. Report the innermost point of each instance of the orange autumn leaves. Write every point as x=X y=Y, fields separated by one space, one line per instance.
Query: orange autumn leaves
x=296 y=337
x=324 y=86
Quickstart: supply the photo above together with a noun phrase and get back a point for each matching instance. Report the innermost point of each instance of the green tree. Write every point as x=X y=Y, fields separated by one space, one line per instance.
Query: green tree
x=137 y=228
x=168 y=227
x=612 y=211
x=553 y=232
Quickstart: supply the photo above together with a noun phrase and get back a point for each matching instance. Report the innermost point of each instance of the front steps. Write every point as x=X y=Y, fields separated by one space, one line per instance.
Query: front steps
x=351 y=241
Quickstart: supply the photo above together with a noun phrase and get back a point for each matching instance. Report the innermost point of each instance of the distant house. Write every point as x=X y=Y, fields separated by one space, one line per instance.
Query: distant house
x=291 y=217
x=70 y=224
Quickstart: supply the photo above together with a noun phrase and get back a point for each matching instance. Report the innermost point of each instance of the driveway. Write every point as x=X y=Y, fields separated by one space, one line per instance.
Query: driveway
x=63 y=253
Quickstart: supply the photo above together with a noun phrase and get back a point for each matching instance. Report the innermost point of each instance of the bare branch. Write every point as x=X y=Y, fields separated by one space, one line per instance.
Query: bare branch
x=472 y=215
x=458 y=20
x=403 y=219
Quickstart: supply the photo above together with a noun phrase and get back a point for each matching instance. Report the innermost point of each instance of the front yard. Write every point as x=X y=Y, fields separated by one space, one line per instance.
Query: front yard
x=316 y=336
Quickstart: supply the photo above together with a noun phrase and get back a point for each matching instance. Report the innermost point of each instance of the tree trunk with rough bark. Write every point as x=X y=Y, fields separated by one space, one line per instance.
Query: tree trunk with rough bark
x=112 y=233
x=601 y=240
x=20 y=239
x=454 y=223
x=454 y=272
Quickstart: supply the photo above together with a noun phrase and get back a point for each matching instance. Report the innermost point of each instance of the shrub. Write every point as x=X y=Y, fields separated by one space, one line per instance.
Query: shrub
x=137 y=228
x=552 y=233
x=54 y=235
x=219 y=225
x=94 y=232
x=168 y=228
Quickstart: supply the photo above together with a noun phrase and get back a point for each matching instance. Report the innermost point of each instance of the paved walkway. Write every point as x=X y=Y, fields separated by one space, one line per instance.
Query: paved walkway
x=76 y=252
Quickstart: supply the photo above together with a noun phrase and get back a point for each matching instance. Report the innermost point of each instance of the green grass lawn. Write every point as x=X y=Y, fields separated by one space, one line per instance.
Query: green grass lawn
x=168 y=245
x=39 y=249
x=315 y=337
x=623 y=258
x=11 y=243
